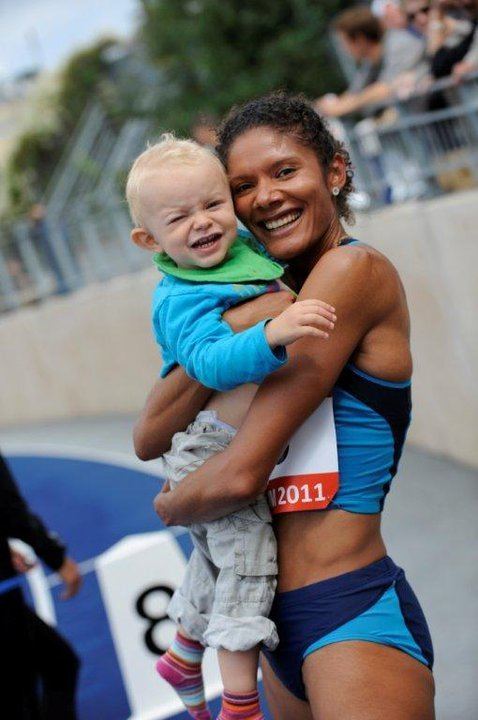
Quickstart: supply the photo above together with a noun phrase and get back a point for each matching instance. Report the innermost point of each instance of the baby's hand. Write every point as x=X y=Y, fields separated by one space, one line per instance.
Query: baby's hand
x=304 y=317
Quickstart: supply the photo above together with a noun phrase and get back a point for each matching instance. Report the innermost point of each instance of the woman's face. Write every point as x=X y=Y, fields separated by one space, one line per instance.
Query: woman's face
x=280 y=192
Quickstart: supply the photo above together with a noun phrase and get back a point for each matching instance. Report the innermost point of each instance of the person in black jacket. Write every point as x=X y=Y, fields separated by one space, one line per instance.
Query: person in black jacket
x=33 y=652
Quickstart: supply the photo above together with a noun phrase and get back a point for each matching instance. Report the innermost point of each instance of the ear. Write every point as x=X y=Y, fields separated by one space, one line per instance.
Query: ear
x=337 y=173
x=143 y=239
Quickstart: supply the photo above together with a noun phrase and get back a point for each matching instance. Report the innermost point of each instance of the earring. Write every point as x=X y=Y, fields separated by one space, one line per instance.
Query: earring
x=335 y=190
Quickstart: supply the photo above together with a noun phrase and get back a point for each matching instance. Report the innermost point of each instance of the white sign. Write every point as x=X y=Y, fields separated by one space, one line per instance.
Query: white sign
x=137 y=577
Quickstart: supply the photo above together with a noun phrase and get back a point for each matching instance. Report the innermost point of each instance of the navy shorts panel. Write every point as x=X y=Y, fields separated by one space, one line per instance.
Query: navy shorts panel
x=306 y=615
x=414 y=618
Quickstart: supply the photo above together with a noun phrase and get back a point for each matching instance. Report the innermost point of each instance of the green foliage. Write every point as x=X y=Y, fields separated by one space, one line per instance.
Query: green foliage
x=38 y=151
x=79 y=80
x=215 y=53
x=34 y=158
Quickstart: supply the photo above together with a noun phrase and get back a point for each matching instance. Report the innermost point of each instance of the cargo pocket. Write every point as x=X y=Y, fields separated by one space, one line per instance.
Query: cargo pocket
x=257 y=511
x=255 y=550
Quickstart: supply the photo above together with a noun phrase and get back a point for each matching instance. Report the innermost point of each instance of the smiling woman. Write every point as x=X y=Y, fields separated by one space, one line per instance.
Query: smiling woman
x=353 y=639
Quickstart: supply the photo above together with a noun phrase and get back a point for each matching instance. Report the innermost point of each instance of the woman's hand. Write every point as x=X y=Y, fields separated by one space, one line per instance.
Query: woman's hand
x=160 y=503
x=172 y=404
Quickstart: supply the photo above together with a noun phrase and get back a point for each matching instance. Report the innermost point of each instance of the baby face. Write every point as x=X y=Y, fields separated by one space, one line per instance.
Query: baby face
x=188 y=210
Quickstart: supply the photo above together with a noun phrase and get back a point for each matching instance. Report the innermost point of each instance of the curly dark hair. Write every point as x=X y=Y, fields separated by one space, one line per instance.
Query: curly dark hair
x=289 y=114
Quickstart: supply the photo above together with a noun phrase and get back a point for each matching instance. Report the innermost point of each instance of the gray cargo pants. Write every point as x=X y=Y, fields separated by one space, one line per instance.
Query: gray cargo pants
x=230 y=580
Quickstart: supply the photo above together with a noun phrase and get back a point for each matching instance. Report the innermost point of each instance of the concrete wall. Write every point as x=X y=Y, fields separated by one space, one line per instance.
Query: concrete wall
x=434 y=246
x=88 y=353
x=92 y=352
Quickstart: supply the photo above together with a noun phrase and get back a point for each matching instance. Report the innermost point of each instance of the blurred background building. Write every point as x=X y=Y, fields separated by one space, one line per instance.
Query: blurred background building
x=83 y=87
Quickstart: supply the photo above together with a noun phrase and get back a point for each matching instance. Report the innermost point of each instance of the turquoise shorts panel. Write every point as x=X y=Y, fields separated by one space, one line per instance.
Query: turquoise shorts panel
x=383 y=623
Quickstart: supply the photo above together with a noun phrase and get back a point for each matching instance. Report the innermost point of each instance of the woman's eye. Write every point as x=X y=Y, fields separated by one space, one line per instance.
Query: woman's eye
x=241 y=188
x=285 y=171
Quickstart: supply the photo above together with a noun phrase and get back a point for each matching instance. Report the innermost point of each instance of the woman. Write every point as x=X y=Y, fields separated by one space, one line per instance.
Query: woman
x=354 y=642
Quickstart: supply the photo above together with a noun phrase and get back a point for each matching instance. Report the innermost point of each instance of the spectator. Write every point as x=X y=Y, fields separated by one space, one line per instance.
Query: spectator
x=203 y=130
x=40 y=236
x=32 y=650
x=448 y=28
x=390 y=14
x=381 y=57
x=469 y=63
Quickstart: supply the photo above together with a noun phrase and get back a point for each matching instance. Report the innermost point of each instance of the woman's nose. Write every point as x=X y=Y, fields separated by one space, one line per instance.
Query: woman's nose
x=266 y=195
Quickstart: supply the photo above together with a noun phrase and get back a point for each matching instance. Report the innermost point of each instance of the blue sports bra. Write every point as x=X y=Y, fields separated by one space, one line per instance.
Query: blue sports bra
x=371 y=422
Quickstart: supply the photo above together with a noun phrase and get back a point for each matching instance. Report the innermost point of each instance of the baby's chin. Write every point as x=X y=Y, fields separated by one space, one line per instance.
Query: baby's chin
x=212 y=261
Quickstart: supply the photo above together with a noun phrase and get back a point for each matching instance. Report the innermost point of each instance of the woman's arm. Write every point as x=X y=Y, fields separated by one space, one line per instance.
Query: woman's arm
x=236 y=476
x=175 y=401
x=172 y=404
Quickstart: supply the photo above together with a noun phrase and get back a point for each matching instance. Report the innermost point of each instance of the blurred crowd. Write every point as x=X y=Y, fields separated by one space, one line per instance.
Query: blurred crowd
x=399 y=47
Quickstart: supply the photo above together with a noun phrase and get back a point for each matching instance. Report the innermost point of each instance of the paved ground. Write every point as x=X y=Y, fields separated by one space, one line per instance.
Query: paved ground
x=431 y=529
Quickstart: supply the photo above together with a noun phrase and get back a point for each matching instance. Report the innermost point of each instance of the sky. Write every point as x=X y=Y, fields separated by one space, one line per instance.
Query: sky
x=46 y=32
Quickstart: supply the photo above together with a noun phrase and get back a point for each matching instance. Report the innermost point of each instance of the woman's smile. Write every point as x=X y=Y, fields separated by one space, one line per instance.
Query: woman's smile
x=282 y=222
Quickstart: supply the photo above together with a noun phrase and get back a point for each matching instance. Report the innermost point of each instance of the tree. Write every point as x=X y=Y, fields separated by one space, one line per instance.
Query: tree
x=37 y=152
x=215 y=53
x=80 y=79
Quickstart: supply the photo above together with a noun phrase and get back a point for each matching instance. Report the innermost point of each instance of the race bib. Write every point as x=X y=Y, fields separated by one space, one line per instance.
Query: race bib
x=307 y=475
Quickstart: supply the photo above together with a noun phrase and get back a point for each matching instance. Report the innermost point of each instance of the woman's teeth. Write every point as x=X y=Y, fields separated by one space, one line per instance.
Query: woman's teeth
x=280 y=222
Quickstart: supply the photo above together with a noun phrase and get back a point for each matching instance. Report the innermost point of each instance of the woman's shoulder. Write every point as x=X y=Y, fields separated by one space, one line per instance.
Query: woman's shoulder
x=353 y=261
x=362 y=261
x=356 y=275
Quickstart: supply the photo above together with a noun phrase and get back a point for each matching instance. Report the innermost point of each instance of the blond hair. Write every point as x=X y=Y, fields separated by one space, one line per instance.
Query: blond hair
x=168 y=149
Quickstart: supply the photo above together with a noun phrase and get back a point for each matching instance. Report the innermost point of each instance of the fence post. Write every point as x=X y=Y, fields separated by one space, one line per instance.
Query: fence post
x=62 y=253
x=10 y=298
x=29 y=255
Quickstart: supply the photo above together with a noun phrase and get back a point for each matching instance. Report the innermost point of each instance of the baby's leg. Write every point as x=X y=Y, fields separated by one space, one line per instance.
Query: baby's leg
x=239 y=677
x=239 y=669
x=191 y=603
x=190 y=606
x=243 y=547
x=180 y=666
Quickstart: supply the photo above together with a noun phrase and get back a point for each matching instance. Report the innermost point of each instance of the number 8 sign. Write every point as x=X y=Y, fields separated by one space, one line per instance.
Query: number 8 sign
x=137 y=578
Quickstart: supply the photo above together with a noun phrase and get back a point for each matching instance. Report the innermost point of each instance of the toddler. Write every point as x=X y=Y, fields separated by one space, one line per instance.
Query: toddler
x=182 y=209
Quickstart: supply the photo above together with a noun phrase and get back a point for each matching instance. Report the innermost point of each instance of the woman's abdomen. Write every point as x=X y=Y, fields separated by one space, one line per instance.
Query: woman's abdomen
x=317 y=545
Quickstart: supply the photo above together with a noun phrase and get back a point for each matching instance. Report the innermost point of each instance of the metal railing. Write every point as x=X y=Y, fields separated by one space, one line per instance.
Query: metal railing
x=403 y=150
x=90 y=245
x=82 y=235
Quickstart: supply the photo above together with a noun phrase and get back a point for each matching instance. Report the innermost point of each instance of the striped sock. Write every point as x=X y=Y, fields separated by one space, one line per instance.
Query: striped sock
x=180 y=666
x=240 y=707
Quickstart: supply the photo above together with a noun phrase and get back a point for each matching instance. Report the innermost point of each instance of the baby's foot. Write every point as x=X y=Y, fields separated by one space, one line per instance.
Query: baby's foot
x=244 y=706
x=180 y=666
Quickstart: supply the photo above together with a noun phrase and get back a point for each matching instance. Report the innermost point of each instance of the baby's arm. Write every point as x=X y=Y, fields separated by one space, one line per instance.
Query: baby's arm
x=304 y=317
x=175 y=400
x=212 y=354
